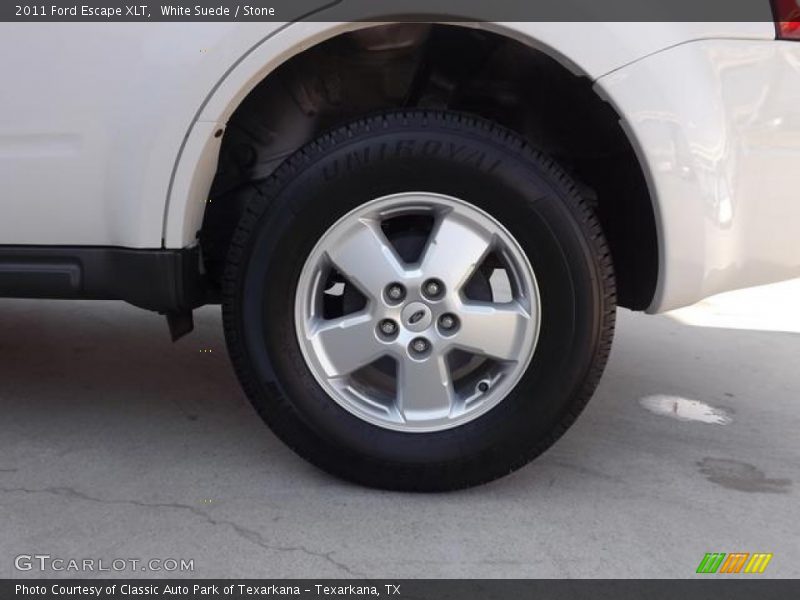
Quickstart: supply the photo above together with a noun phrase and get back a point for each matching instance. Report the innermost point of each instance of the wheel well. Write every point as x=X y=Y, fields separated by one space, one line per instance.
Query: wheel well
x=445 y=67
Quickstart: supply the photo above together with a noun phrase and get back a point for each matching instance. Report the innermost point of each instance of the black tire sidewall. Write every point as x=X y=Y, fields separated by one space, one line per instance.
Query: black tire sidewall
x=519 y=188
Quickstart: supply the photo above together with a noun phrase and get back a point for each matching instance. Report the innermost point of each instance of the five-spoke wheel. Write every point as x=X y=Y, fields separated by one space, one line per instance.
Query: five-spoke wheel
x=418 y=301
x=437 y=338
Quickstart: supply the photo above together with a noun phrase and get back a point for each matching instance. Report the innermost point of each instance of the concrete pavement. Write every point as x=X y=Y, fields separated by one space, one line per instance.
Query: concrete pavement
x=116 y=443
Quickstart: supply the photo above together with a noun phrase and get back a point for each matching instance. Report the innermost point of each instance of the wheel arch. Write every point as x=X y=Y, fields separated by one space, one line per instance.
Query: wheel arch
x=636 y=258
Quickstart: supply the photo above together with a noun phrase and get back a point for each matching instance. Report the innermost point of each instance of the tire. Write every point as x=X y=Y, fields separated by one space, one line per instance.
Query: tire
x=492 y=172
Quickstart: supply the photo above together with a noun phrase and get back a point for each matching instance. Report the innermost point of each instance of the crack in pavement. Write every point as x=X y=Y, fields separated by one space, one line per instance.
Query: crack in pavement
x=251 y=535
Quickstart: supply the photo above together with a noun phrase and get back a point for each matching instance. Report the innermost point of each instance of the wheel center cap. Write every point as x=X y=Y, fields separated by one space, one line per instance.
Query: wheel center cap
x=416 y=316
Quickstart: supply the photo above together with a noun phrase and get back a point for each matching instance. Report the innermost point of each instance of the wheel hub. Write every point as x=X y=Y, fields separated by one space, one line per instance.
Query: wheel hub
x=416 y=316
x=423 y=354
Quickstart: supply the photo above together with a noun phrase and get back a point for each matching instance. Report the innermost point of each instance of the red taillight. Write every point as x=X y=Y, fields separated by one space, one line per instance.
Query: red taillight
x=787 y=18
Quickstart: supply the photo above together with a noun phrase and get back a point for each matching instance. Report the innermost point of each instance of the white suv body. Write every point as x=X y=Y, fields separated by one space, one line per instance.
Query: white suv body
x=107 y=132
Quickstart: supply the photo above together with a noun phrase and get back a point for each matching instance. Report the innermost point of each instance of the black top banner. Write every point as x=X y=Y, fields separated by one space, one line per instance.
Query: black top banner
x=392 y=10
x=404 y=589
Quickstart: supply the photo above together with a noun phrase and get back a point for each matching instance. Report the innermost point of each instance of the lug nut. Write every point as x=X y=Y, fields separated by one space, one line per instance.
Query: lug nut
x=395 y=292
x=433 y=288
x=388 y=327
x=420 y=345
x=448 y=322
